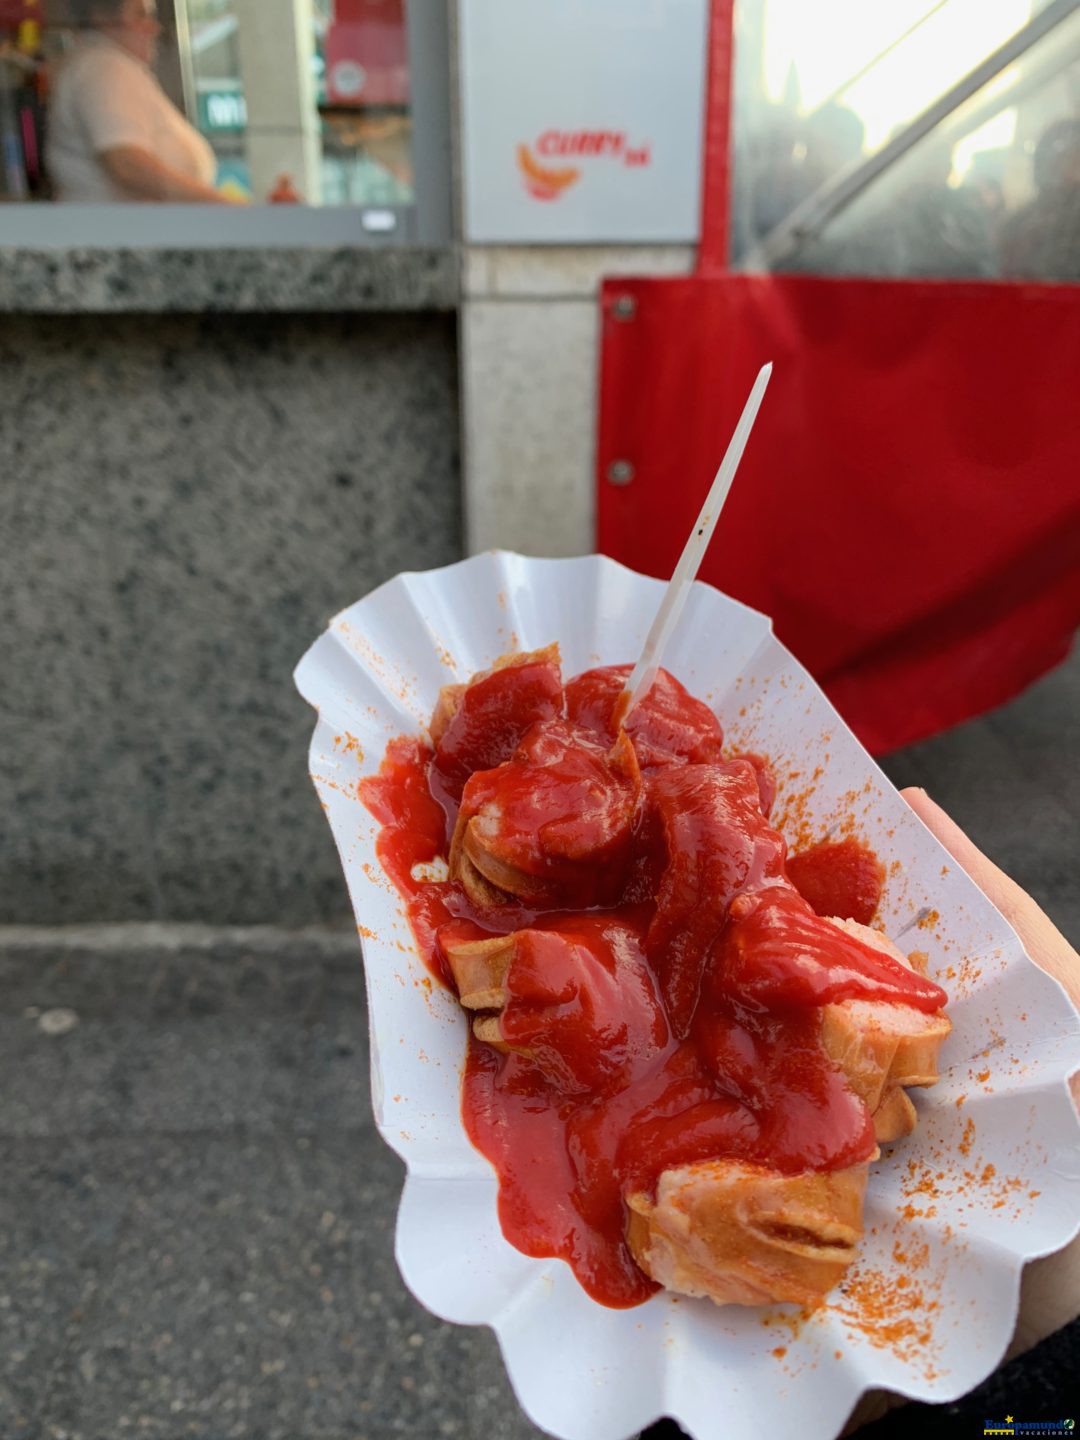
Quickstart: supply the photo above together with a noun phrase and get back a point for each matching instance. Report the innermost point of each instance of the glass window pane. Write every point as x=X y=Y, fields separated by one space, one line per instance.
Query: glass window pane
x=992 y=191
x=206 y=101
x=356 y=104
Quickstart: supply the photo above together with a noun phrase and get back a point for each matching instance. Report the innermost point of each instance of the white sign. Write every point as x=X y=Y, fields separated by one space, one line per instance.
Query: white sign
x=583 y=119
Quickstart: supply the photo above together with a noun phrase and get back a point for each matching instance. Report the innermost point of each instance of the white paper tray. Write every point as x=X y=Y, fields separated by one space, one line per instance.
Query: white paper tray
x=991 y=1177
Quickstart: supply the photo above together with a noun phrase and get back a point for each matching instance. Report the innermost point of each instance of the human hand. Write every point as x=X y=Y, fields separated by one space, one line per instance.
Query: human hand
x=1050 y=1289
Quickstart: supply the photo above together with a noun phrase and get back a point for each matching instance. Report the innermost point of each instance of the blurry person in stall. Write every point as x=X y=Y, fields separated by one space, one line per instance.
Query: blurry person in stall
x=1042 y=240
x=114 y=135
x=770 y=179
x=784 y=159
x=911 y=223
x=833 y=138
x=983 y=188
x=944 y=231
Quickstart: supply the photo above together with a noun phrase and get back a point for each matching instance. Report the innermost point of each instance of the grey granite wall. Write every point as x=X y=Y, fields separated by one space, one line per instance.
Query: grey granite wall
x=184 y=501
x=187 y=281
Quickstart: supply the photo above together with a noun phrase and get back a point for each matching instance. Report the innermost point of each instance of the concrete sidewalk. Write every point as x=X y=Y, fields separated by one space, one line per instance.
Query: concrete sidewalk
x=196 y=1212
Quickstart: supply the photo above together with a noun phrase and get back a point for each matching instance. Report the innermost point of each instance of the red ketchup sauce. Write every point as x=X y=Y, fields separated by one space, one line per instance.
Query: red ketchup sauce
x=839 y=877
x=664 y=993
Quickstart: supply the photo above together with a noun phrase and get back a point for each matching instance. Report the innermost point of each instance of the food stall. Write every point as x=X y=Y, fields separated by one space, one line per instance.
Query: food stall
x=910 y=516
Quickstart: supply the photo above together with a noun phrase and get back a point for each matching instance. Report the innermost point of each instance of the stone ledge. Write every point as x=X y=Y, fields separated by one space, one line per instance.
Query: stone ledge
x=226 y=281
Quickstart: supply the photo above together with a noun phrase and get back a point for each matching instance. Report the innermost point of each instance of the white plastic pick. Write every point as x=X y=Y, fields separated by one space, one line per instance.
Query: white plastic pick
x=685 y=572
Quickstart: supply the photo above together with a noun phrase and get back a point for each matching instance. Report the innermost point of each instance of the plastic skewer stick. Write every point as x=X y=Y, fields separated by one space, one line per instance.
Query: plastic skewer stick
x=675 y=596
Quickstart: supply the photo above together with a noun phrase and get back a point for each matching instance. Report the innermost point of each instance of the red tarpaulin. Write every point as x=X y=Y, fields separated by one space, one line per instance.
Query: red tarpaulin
x=14 y=12
x=908 y=510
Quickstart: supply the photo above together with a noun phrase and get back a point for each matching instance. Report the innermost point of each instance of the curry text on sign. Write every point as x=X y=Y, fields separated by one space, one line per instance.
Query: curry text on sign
x=545 y=180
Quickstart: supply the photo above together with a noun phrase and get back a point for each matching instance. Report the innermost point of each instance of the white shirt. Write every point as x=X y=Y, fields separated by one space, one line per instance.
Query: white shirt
x=103 y=97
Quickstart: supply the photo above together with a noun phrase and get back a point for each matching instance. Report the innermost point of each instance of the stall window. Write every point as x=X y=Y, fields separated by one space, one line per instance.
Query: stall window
x=837 y=173
x=232 y=103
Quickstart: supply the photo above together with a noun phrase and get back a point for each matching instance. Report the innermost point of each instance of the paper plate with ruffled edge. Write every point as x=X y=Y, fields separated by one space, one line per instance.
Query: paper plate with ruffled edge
x=990 y=1179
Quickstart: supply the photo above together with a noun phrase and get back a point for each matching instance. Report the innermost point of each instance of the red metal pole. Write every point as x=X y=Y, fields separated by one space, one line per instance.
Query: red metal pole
x=714 y=254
